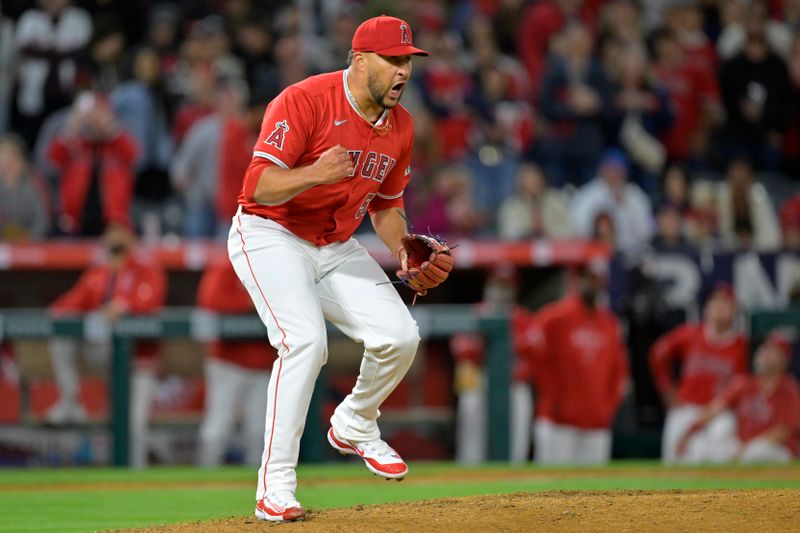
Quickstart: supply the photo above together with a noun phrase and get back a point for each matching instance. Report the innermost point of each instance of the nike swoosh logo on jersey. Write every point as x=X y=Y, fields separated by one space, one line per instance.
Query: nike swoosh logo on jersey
x=339 y=122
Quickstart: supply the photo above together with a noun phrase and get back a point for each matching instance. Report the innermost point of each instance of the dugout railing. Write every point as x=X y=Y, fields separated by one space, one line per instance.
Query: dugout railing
x=189 y=323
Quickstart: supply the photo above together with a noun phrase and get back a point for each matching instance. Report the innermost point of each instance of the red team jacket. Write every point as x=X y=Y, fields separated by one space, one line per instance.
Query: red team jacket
x=139 y=286
x=756 y=412
x=706 y=367
x=73 y=158
x=222 y=292
x=299 y=125
x=579 y=363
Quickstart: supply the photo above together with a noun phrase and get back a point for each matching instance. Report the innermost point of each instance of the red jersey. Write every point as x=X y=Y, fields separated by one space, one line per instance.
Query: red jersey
x=757 y=411
x=310 y=117
x=580 y=362
x=139 y=287
x=221 y=291
x=690 y=88
x=706 y=366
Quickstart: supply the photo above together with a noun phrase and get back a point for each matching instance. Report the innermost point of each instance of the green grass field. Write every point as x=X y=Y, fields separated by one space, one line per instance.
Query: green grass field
x=95 y=499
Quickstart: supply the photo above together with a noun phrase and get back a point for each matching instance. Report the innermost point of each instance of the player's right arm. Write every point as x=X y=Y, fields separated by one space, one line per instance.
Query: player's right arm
x=663 y=354
x=288 y=129
x=277 y=185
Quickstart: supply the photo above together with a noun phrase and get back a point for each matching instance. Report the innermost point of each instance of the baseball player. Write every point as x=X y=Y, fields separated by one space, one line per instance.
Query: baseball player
x=123 y=283
x=333 y=148
x=579 y=366
x=758 y=415
x=710 y=354
x=236 y=372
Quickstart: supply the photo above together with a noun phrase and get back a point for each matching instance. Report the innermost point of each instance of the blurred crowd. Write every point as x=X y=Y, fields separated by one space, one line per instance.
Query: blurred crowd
x=664 y=123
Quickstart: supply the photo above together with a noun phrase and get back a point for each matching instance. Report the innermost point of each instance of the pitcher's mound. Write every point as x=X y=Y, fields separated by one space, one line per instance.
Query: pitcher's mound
x=635 y=511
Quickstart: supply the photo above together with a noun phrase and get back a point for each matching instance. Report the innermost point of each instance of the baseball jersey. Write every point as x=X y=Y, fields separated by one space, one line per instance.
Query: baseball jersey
x=299 y=125
x=706 y=366
x=221 y=291
x=580 y=363
x=138 y=287
x=757 y=411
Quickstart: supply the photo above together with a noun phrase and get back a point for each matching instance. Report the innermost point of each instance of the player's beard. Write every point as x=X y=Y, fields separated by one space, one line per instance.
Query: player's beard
x=378 y=94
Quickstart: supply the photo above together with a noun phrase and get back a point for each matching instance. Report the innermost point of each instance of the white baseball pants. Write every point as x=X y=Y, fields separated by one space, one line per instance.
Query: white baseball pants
x=715 y=443
x=232 y=390
x=296 y=286
x=557 y=444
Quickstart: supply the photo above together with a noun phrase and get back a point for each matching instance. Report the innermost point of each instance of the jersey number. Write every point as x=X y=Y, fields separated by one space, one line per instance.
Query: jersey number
x=278 y=135
x=364 y=205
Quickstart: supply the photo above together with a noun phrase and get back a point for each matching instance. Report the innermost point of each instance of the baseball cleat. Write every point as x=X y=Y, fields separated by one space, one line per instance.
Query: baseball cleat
x=379 y=457
x=280 y=506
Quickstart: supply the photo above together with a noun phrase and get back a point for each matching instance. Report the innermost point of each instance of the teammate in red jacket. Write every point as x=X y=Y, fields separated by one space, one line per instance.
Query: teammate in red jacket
x=760 y=414
x=237 y=372
x=580 y=370
x=123 y=283
x=710 y=354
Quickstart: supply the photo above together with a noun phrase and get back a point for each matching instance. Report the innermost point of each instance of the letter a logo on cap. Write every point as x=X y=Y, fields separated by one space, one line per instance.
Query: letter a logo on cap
x=404 y=37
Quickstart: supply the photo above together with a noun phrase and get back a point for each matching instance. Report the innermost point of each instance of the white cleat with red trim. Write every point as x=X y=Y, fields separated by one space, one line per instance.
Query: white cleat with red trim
x=380 y=458
x=280 y=506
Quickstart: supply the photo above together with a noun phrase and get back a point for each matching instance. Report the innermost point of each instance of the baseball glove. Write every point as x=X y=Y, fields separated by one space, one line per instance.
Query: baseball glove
x=428 y=263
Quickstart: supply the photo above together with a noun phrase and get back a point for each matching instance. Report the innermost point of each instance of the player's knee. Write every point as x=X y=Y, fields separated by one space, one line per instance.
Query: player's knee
x=406 y=342
x=311 y=344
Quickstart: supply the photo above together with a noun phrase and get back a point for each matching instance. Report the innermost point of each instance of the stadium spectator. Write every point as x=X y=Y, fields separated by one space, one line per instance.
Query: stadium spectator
x=625 y=202
x=47 y=40
x=236 y=374
x=575 y=100
x=735 y=14
x=747 y=217
x=535 y=211
x=791 y=144
x=541 y=22
x=162 y=36
x=702 y=227
x=449 y=208
x=755 y=89
x=757 y=417
x=579 y=367
x=7 y=61
x=200 y=166
x=620 y=21
x=646 y=114
x=695 y=97
x=95 y=158
x=23 y=203
x=445 y=86
x=710 y=354
x=676 y=188
x=122 y=283
x=790 y=223
x=669 y=235
x=99 y=66
x=685 y=19
x=143 y=108
x=253 y=42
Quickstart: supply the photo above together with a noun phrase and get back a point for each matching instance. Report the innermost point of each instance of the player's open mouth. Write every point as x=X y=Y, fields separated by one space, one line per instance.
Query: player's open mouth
x=397 y=89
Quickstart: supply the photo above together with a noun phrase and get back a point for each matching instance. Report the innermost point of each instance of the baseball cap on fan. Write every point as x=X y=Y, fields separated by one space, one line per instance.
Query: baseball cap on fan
x=387 y=36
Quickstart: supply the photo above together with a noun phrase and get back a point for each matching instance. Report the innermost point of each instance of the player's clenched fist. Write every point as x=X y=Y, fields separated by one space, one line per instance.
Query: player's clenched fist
x=333 y=165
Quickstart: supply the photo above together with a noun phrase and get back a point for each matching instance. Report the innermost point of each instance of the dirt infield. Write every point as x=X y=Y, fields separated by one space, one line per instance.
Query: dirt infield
x=672 y=511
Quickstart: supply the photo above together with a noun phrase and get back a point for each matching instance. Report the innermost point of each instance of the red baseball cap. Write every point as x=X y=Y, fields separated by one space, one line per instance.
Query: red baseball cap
x=387 y=36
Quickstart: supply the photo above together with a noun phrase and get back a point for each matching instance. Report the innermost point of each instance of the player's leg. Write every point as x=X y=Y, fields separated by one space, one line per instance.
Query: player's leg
x=521 y=421
x=143 y=388
x=564 y=444
x=279 y=270
x=677 y=423
x=254 y=398
x=543 y=441
x=471 y=425
x=719 y=441
x=222 y=389
x=764 y=451
x=64 y=361
x=593 y=447
x=357 y=298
